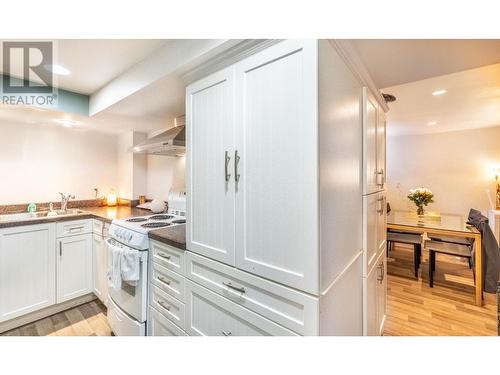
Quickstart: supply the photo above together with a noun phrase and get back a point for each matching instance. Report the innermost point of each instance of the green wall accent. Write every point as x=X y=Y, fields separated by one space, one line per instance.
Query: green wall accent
x=67 y=101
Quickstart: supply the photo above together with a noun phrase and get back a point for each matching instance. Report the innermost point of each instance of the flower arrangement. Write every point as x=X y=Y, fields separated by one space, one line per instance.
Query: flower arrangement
x=421 y=197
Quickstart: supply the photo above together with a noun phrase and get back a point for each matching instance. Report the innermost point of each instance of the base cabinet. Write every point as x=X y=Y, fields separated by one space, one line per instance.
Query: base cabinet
x=100 y=261
x=159 y=325
x=375 y=298
x=212 y=315
x=74 y=267
x=27 y=269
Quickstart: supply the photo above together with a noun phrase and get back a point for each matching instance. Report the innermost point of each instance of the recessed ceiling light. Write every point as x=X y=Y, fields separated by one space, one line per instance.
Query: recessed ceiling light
x=431 y=123
x=67 y=122
x=58 y=69
x=439 y=92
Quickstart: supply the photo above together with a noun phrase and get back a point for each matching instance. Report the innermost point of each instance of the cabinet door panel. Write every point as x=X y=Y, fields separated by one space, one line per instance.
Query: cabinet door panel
x=371 y=205
x=370 y=326
x=210 y=134
x=277 y=192
x=370 y=117
x=381 y=222
x=382 y=294
x=74 y=267
x=381 y=151
x=99 y=268
x=27 y=269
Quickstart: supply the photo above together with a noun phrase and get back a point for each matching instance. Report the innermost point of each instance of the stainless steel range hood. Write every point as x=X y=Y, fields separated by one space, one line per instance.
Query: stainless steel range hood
x=170 y=143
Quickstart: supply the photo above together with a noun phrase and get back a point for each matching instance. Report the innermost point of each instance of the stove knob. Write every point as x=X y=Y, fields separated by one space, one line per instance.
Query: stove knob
x=130 y=237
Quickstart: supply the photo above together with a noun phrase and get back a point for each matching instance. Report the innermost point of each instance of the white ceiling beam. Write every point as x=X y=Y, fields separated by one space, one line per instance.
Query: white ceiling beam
x=175 y=57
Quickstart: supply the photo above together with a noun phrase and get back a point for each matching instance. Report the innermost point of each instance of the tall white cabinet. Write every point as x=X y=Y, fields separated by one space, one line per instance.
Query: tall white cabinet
x=374 y=215
x=275 y=194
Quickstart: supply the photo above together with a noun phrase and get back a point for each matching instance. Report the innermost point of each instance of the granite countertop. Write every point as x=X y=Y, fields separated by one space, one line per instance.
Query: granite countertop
x=174 y=236
x=106 y=214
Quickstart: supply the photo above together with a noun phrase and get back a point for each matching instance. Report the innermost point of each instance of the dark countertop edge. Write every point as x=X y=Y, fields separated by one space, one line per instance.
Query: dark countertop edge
x=55 y=219
x=162 y=236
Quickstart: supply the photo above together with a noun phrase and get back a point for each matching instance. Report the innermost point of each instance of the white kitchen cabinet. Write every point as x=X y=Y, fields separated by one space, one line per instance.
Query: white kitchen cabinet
x=374 y=230
x=209 y=166
x=74 y=267
x=158 y=325
x=27 y=269
x=375 y=297
x=212 y=315
x=374 y=162
x=276 y=177
x=100 y=261
x=286 y=204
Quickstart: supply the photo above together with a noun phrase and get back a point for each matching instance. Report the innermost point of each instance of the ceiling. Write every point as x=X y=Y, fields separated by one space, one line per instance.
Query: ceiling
x=95 y=62
x=472 y=101
x=393 y=62
x=154 y=106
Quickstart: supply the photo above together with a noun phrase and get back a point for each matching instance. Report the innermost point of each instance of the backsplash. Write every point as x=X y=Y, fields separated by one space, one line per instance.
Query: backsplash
x=43 y=206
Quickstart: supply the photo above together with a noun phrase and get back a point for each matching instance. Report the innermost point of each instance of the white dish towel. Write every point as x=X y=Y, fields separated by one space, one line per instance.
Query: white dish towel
x=114 y=268
x=130 y=267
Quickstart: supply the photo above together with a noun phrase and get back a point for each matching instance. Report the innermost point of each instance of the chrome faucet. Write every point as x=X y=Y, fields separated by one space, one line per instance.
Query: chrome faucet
x=65 y=199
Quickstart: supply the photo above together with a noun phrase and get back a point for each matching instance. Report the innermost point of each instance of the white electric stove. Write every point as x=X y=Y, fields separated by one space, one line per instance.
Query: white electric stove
x=127 y=310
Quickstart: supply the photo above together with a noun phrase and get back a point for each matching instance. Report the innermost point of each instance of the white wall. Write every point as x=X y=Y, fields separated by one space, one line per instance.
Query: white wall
x=163 y=173
x=456 y=166
x=37 y=161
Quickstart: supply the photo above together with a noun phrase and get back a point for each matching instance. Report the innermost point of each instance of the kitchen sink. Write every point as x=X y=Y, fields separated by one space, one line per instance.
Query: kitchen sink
x=39 y=215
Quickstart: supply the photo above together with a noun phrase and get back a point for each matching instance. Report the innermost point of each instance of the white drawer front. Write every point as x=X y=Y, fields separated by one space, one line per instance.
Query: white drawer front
x=158 y=325
x=209 y=314
x=168 y=281
x=287 y=307
x=73 y=228
x=169 y=257
x=170 y=307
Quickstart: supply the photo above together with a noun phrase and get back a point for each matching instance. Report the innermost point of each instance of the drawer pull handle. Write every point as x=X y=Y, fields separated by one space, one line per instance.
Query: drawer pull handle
x=74 y=229
x=163 y=280
x=226 y=333
x=162 y=304
x=161 y=255
x=231 y=286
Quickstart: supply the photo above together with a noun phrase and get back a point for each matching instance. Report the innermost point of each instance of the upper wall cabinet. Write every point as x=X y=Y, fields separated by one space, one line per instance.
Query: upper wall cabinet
x=374 y=175
x=209 y=167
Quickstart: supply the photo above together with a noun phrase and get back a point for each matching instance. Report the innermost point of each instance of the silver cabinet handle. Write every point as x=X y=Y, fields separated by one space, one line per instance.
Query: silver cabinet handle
x=60 y=248
x=163 y=280
x=231 y=286
x=380 y=269
x=226 y=166
x=162 y=304
x=380 y=210
x=380 y=173
x=161 y=255
x=236 y=161
x=228 y=333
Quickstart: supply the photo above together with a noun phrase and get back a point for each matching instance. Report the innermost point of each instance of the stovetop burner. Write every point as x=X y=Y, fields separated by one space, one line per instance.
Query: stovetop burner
x=137 y=220
x=161 y=217
x=178 y=221
x=155 y=225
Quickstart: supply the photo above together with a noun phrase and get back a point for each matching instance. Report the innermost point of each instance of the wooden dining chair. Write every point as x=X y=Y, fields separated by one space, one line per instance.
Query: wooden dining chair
x=443 y=247
x=409 y=239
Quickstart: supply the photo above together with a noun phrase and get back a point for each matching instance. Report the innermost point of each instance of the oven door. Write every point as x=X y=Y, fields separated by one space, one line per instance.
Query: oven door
x=131 y=299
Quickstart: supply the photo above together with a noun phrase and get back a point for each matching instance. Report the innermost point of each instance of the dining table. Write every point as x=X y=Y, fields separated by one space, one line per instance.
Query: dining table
x=445 y=225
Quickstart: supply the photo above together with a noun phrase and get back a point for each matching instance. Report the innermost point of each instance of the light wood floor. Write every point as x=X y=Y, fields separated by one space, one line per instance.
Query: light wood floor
x=448 y=309
x=85 y=320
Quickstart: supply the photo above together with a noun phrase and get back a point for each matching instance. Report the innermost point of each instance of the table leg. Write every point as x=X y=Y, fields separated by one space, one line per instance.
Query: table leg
x=479 y=270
